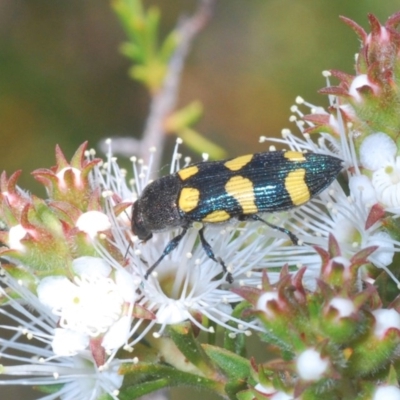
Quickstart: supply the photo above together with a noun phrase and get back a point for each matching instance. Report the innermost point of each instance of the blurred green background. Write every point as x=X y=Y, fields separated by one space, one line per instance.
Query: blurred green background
x=63 y=81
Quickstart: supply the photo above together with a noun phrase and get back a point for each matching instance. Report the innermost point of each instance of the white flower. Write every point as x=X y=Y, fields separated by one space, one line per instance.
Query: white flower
x=388 y=392
x=274 y=394
x=70 y=172
x=264 y=299
x=361 y=185
x=15 y=235
x=28 y=357
x=87 y=265
x=281 y=396
x=384 y=320
x=378 y=154
x=386 y=182
x=93 y=222
x=91 y=305
x=333 y=212
x=344 y=307
x=377 y=150
x=186 y=283
x=67 y=342
x=117 y=334
x=359 y=82
x=345 y=218
x=310 y=365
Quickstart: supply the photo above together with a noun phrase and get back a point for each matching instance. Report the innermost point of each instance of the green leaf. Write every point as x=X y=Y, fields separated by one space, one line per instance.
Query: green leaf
x=139 y=73
x=131 y=50
x=182 y=336
x=245 y=395
x=168 y=46
x=105 y=396
x=138 y=390
x=185 y=117
x=49 y=389
x=26 y=279
x=152 y=23
x=233 y=387
x=387 y=289
x=142 y=30
x=235 y=343
x=234 y=366
x=145 y=378
x=195 y=141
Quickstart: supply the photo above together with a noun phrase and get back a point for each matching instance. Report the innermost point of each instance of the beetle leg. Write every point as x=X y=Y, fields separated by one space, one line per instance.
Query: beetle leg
x=207 y=248
x=291 y=235
x=168 y=248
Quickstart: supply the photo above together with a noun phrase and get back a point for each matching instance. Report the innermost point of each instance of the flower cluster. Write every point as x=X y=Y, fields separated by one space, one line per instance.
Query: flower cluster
x=340 y=340
x=84 y=302
x=74 y=260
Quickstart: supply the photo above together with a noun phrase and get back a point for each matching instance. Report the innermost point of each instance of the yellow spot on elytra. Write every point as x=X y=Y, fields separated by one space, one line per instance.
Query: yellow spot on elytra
x=186 y=173
x=296 y=186
x=294 y=156
x=243 y=191
x=239 y=162
x=217 y=216
x=188 y=199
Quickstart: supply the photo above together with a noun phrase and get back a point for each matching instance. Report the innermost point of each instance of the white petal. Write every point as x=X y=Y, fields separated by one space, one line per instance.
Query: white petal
x=342 y=261
x=67 y=342
x=377 y=150
x=345 y=307
x=384 y=320
x=361 y=188
x=55 y=291
x=344 y=229
x=386 y=182
x=117 y=335
x=310 y=365
x=15 y=235
x=383 y=256
x=127 y=285
x=389 y=392
x=113 y=379
x=77 y=175
x=358 y=82
x=281 y=396
x=264 y=299
x=173 y=313
x=93 y=222
x=264 y=389
x=95 y=306
x=89 y=266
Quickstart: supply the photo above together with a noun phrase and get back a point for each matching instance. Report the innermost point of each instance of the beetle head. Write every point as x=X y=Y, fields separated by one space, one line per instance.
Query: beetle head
x=138 y=223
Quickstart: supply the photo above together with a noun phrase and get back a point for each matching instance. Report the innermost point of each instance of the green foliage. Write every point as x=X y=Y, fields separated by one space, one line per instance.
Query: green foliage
x=142 y=29
x=151 y=66
x=145 y=378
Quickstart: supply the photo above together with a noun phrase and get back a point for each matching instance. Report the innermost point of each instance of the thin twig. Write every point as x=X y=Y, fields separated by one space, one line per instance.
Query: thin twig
x=163 y=103
x=165 y=100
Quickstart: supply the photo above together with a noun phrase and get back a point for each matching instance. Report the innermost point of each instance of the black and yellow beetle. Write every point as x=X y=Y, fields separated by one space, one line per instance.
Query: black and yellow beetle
x=216 y=191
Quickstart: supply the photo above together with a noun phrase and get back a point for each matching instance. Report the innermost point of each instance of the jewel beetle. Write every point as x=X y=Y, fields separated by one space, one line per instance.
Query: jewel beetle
x=213 y=192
